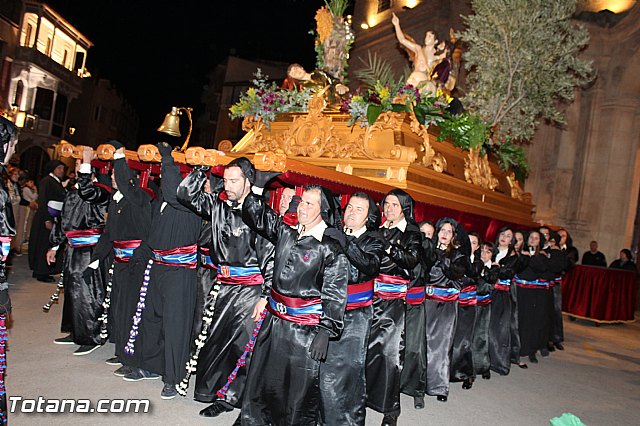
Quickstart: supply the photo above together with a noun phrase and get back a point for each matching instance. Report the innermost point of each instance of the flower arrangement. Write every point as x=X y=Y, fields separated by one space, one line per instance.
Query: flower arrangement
x=366 y=108
x=266 y=100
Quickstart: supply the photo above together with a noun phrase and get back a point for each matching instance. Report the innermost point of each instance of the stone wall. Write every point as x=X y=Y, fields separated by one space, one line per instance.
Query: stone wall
x=586 y=175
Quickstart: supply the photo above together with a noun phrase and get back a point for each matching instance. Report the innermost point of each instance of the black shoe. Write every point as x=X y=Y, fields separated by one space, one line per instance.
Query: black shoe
x=44 y=278
x=86 y=349
x=389 y=420
x=486 y=375
x=168 y=391
x=523 y=365
x=467 y=384
x=215 y=409
x=544 y=352
x=138 y=374
x=559 y=346
x=238 y=421
x=67 y=340
x=418 y=402
x=113 y=361
x=550 y=347
x=533 y=358
x=122 y=371
x=442 y=398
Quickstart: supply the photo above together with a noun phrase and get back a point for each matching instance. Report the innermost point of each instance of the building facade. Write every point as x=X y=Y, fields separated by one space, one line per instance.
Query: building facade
x=45 y=67
x=584 y=176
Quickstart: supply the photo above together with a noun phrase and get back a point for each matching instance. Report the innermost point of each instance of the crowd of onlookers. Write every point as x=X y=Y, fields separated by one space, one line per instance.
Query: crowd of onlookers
x=24 y=199
x=593 y=257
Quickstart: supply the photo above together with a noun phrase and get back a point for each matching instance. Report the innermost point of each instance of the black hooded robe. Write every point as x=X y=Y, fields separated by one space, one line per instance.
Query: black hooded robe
x=342 y=385
x=386 y=348
x=533 y=305
x=283 y=383
x=83 y=214
x=232 y=245
x=49 y=189
x=128 y=223
x=167 y=319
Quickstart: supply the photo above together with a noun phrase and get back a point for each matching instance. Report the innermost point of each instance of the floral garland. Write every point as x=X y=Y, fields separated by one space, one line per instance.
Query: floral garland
x=106 y=304
x=242 y=361
x=129 y=349
x=207 y=318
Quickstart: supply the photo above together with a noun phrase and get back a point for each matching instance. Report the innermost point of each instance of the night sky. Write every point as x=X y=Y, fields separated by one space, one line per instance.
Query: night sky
x=158 y=53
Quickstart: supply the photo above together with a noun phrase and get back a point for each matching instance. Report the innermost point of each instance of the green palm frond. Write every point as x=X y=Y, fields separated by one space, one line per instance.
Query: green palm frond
x=375 y=70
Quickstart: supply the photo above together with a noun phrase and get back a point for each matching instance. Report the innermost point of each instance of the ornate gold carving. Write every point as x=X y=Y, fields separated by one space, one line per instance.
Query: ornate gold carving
x=65 y=149
x=478 y=171
x=225 y=145
x=105 y=152
x=196 y=156
x=270 y=161
x=516 y=189
x=431 y=157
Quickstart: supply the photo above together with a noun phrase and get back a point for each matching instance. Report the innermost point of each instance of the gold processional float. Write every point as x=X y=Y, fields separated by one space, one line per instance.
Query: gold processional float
x=321 y=145
x=395 y=152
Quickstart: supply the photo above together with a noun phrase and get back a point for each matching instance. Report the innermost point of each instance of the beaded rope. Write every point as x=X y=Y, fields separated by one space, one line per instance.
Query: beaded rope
x=106 y=304
x=242 y=361
x=129 y=349
x=3 y=363
x=207 y=318
x=56 y=294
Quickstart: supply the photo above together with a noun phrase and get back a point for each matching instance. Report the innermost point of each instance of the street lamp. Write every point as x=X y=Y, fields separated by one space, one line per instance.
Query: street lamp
x=171 y=124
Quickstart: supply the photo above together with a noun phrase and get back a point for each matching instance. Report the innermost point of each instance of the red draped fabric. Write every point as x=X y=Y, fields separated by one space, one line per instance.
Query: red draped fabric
x=599 y=294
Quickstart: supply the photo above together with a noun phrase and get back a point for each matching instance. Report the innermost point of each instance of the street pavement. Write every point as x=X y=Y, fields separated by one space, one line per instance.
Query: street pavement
x=596 y=378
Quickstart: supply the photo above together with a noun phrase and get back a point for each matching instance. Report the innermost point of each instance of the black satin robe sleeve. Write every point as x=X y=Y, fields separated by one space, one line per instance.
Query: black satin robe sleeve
x=365 y=254
x=57 y=236
x=171 y=179
x=408 y=254
x=191 y=194
x=265 y=253
x=125 y=179
x=91 y=193
x=509 y=266
x=104 y=246
x=449 y=272
x=334 y=288
x=260 y=218
x=7 y=221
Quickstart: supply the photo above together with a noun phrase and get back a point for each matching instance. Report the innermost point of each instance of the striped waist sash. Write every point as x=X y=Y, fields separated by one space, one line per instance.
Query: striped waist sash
x=359 y=295
x=503 y=285
x=205 y=258
x=416 y=295
x=249 y=275
x=123 y=250
x=181 y=257
x=483 y=300
x=540 y=284
x=467 y=296
x=84 y=237
x=442 y=294
x=295 y=309
x=390 y=287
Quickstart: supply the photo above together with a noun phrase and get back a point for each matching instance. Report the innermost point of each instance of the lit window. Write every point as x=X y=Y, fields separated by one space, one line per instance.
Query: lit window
x=384 y=5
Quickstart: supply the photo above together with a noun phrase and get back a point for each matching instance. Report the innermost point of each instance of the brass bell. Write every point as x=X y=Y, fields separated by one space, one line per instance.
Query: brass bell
x=171 y=123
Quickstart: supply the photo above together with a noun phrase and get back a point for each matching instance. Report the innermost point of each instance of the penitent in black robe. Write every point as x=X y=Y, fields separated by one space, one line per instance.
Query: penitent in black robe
x=206 y=274
x=49 y=189
x=83 y=210
x=386 y=348
x=342 y=384
x=462 y=367
x=283 y=383
x=232 y=244
x=558 y=266
x=480 y=344
x=441 y=321
x=167 y=319
x=534 y=306
x=504 y=337
x=128 y=219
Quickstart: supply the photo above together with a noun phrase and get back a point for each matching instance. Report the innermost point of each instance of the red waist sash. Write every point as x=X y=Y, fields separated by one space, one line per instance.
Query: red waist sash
x=359 y=295
x=180 y=257
x=416 y=295
x=295 y=309
x=123 y=250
